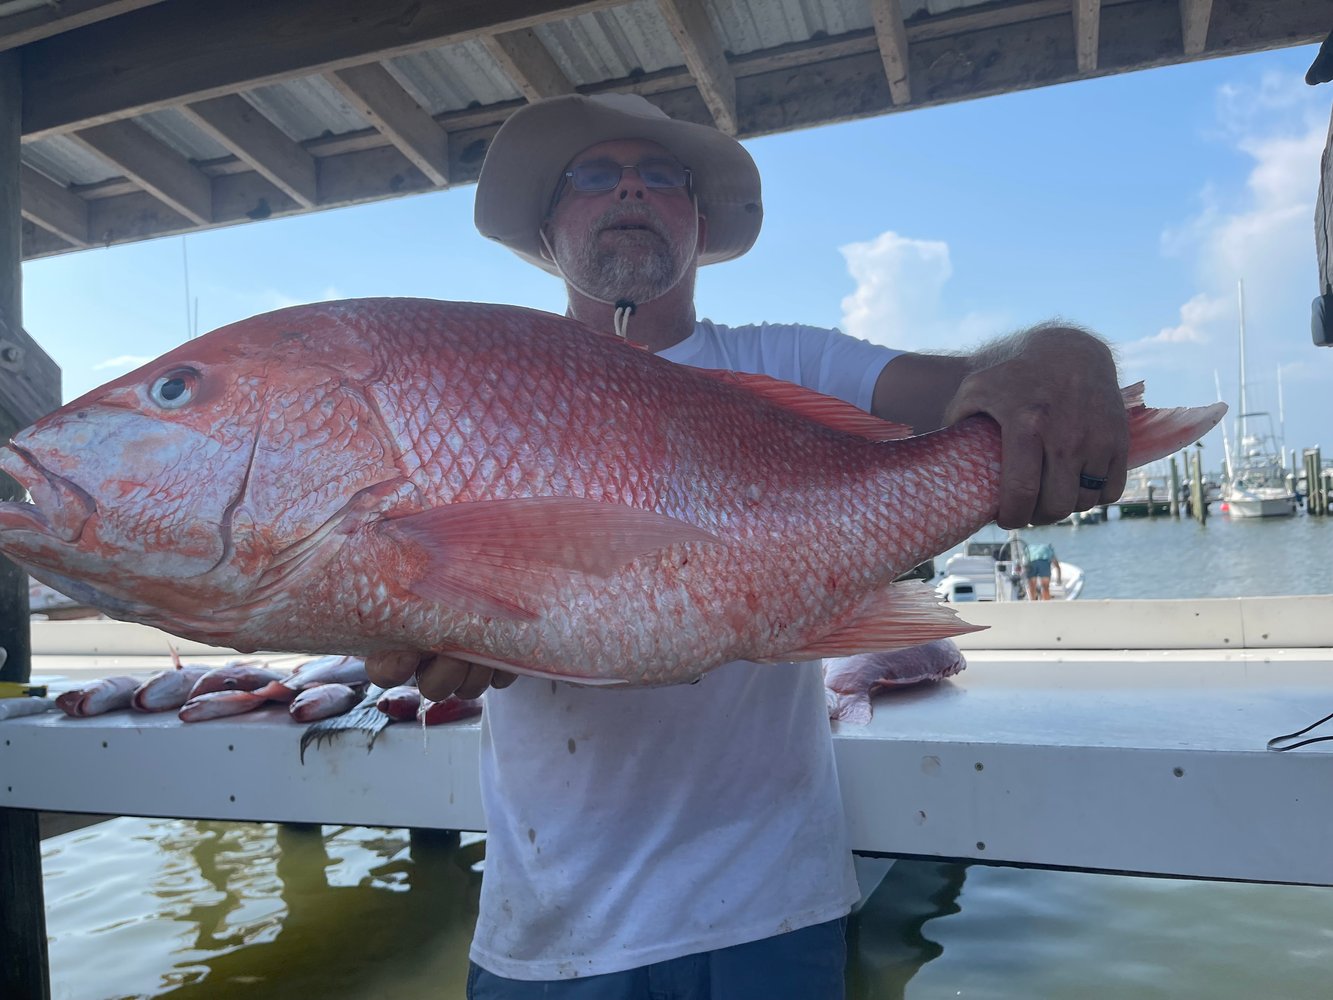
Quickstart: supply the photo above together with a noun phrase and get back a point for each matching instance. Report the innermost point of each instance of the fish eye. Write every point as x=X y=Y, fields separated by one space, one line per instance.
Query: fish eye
x=175 y=389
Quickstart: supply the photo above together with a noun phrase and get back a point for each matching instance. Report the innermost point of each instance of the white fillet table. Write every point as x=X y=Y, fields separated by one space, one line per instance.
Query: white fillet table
x=1117 y=736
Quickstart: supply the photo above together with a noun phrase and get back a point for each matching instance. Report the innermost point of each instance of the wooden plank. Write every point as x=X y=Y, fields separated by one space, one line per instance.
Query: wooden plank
x=707 y=61
x=52 y=17
x=190 y=50
x=54 y=207
x=154 y=166
x=1087 y=29
x=891 y=37
x=528 y=65
x=256 y=141
x=383 y=102
x=1194 y=17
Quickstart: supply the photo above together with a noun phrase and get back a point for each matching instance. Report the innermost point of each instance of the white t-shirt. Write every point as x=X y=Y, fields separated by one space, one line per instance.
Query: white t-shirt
x=633 y=826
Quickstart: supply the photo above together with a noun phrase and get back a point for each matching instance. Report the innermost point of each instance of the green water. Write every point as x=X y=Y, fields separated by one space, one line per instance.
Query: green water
x=183 y=909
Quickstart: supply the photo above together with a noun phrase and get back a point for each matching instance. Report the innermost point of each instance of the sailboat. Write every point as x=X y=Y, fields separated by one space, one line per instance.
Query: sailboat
x=1256 y=480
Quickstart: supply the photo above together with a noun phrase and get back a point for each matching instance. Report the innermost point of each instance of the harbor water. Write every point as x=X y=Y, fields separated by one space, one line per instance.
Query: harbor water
x=184 y=909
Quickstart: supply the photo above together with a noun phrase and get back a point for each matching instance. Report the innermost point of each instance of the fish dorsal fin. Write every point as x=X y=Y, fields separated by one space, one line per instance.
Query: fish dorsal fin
x=903 y=614
x=502 y=558
x=827 y=410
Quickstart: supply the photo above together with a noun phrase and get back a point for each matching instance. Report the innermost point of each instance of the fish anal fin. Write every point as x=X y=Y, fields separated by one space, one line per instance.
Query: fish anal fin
x=827 y=410
x=502 y=558
x=903 y=614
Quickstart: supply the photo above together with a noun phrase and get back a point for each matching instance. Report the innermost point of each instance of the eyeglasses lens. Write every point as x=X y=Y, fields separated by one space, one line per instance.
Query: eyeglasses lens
x=603 y=175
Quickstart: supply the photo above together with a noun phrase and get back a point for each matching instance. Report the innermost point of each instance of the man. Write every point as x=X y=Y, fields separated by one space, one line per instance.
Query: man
x=1041 y=557
x=689 y=842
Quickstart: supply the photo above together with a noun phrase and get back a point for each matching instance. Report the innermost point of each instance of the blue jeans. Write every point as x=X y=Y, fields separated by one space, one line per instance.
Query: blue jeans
x=802 y=965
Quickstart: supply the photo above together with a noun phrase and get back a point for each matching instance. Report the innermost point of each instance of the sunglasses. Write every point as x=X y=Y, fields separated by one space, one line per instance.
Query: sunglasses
x=592 y=176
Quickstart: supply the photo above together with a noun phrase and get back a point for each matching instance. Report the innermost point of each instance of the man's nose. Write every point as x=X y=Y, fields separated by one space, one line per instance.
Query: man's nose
x=631 y=185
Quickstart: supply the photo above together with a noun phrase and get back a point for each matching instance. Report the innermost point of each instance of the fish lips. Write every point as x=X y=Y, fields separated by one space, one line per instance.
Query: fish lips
x=60 y=509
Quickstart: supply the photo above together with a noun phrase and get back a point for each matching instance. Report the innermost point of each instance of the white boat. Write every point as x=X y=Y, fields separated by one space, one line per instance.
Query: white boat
x=1256 y=482
x=993 y=570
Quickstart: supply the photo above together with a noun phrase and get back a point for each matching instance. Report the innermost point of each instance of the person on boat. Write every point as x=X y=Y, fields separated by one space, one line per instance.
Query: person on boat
x=689 y=840
x=1041 y=559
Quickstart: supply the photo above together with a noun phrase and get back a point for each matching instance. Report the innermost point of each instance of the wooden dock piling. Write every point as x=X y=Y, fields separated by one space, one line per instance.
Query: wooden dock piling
x=1174 y=500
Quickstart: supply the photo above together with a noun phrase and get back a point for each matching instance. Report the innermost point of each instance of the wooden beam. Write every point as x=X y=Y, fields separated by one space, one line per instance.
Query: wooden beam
x=1087 y=33
x=238 y=125
x=153 y=165
x=1194 y=17
x=526 y=62
x=705 y=57
x=891 y=37
x=190 y=50
x=53 y=17
x=54 y=207
x=383 y=102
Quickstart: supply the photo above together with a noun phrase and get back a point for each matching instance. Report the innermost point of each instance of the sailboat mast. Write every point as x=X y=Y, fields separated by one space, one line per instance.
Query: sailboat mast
x=1244 y=406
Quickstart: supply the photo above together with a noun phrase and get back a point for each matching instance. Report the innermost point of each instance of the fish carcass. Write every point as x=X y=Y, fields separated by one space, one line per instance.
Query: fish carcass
x=851 y=681
x=503 y=485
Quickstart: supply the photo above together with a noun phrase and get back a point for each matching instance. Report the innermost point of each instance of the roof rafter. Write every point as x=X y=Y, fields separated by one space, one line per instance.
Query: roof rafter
x=239 y=126
x=705 y=57
x=53 y=207
x=891 y=36
x=154 y=166
x=53 y=18
x=1194 y=18
x=1087 y=33
x=526 y=62
x=382 y=101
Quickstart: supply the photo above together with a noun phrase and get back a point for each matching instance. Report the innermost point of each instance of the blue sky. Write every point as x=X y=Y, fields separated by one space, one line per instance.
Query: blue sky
x=1131 y=205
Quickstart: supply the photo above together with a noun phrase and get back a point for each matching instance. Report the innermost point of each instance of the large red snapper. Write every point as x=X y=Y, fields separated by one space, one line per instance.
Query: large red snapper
x=504 y=485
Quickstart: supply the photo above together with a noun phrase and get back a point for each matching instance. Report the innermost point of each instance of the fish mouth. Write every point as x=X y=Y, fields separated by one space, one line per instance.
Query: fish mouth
x=60 y=509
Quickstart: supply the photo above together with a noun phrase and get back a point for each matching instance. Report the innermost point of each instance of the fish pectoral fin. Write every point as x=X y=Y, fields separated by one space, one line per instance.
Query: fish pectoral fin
x=501 y=558
x=902 y=614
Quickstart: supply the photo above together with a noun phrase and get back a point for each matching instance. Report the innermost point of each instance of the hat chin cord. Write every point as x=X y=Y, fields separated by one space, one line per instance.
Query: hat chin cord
x=624 y=308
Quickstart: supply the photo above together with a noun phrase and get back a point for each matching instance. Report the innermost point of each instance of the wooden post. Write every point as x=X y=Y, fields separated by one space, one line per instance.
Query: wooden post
x=1320 y=486
x=1198 y=502
x=24 y=971
x=1173 y=501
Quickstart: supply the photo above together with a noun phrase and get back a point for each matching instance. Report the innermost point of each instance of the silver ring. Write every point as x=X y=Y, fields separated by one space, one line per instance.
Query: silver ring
x=1091 y=482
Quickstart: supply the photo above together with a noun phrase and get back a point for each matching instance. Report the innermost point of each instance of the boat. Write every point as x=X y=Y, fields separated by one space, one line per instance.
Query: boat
x=992 y=570
x=1256 y=484
x=1146 y=495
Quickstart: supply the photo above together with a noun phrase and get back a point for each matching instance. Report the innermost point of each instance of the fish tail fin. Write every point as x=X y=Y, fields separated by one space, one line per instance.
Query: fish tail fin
x=1155 y=434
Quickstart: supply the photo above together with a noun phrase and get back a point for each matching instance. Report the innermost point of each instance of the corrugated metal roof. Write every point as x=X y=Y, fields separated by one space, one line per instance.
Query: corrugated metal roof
x=831 y=60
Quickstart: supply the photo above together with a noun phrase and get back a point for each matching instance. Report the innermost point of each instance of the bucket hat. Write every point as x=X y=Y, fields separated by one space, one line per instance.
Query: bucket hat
x=533 y=147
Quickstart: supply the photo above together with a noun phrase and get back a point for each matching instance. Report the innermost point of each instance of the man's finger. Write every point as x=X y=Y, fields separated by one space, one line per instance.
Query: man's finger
x=440 y=676
x=1020 y=477
x=394 y=668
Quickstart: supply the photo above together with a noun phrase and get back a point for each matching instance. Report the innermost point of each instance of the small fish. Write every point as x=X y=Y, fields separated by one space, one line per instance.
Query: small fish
x=325 y=670
x=322 y=701
x=451 y=709
x=240 y=675
x=506 y=486
x=850 y=682
x=104 y=695
x=167 y=690
x=219 y=704
x=401 y=703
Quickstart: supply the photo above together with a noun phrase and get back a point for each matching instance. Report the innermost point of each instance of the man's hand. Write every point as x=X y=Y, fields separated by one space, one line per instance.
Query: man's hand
x=438 y=676
x=1054 y=393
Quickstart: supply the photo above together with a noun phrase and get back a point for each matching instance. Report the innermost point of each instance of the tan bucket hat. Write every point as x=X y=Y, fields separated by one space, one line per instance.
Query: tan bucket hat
x=536 y=143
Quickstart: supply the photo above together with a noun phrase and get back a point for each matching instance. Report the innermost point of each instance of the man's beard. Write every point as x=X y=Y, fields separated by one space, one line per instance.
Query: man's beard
x=610 y=275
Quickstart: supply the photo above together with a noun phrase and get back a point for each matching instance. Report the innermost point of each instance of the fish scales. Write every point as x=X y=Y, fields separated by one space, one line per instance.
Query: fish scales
x=498 y=483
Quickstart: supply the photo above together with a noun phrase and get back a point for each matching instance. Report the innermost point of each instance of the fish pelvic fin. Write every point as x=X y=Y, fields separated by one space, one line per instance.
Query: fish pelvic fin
x=902 y=614
x=829 y=411
x=503 y=558
x=1155 y=434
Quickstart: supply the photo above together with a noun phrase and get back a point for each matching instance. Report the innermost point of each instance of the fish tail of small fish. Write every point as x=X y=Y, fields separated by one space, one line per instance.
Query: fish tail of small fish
x=1154 y=434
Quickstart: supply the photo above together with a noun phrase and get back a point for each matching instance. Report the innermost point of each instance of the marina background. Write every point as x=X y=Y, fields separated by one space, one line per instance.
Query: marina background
x=186 y=909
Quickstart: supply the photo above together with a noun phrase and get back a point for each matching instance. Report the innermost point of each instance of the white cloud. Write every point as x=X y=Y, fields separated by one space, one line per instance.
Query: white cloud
x=273 y=299
x=898 y=295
